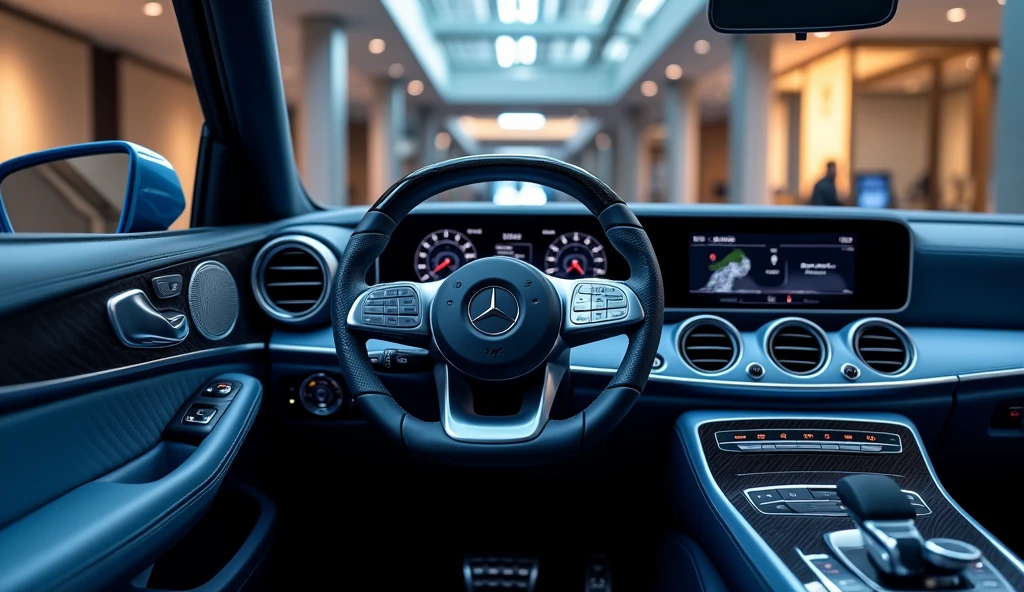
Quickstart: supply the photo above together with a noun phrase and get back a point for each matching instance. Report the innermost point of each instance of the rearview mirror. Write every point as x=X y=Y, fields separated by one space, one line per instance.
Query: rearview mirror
x=798 y=16
x=100 y=187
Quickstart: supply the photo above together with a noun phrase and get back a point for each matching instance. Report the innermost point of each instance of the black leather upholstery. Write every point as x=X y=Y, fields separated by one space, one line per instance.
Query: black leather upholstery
x=683 y=565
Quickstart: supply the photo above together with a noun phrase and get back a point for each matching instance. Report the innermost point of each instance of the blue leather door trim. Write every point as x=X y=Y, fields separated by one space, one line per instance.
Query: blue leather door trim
x=103 y=530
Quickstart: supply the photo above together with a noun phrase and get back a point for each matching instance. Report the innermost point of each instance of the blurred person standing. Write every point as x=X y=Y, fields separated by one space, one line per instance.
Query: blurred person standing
x=825 y=193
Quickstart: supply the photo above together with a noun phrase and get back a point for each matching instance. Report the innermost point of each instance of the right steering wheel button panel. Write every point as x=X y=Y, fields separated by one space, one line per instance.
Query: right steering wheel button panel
x=595 y=303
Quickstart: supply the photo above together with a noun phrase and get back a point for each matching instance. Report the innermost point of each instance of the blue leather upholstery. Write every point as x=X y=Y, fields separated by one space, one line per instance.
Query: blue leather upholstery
x=683 y=565
x=49 y=450
x=110 y=528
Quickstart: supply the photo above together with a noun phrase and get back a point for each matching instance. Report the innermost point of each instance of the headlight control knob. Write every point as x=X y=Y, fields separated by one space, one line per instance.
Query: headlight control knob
x=321 y=395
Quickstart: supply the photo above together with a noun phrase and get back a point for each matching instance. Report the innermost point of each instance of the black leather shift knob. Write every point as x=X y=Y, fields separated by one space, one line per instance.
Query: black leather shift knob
x=874 y=497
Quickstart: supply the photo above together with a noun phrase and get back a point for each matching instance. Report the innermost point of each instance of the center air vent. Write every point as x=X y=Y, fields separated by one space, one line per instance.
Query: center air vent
x=797 y=346
x=291 y=278
x=882 y=346
x=709 y=344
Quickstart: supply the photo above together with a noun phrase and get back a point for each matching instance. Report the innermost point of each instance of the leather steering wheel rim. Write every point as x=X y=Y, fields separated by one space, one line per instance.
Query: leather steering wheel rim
x=558 y=439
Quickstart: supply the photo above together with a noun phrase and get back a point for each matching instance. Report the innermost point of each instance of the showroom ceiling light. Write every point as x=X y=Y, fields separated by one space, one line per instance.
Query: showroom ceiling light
x=528 y=10
x=523 y=11
x=646 y=8
x=508 y=11
x=649 y=88
x=956 y=15
x=598 y=10
x=377 y=46
x=442 y=141
x=505 y=51
x=414 y=88
x=702 y=46
x=521 y=121
x=616 y=49
x=526 y=50
x=673 y=71
x=152 y=9
x=822 y=34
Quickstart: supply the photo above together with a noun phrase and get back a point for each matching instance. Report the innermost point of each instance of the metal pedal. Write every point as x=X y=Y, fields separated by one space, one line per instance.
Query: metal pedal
x=495 y=572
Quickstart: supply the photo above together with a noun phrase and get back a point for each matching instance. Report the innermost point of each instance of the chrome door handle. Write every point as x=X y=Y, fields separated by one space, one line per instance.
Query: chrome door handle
x=138 y=324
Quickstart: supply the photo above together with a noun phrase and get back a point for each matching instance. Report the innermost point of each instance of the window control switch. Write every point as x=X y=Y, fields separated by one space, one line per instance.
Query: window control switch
x=199 y=414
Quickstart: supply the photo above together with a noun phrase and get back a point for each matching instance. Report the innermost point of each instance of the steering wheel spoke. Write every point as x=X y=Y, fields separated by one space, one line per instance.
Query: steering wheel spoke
x=459 y=412
x=596 y=309
x=394 y=312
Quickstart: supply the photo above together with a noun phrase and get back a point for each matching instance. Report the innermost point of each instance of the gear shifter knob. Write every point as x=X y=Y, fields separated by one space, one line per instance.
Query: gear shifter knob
x=885 y=519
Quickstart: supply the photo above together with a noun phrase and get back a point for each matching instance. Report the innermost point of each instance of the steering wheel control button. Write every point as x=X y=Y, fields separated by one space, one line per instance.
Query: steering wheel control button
x=594 y=303
x=493 y=310
x=199 y=414
x=396 y=308
x=320 y=394
x=167 y=286
x=755 y=371
x=850 y=372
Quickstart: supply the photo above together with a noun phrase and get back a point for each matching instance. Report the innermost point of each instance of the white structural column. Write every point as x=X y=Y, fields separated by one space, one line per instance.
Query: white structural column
x=325 y=117
x=430 y=125
x=682 y=142
x=605 y=162
x=1009 y=121
x=748 y=118
x=627 y=160
x=386 y=129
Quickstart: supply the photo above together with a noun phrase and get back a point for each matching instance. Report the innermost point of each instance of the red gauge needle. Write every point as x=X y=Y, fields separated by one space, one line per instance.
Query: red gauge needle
x=575 y=265
x=447 y=261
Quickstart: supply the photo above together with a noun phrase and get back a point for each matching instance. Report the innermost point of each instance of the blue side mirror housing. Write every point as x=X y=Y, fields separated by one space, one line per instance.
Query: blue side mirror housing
x=79 y=174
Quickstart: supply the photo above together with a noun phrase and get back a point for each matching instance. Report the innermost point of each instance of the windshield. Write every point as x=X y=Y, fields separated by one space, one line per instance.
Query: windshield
x=644 y=94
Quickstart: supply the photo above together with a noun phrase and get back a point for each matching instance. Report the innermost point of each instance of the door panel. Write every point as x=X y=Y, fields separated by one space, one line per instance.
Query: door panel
x=95 y=485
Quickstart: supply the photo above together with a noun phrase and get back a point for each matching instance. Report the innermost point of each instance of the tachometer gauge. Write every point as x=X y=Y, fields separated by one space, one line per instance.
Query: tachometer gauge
x=442 y=252
x=575 y=255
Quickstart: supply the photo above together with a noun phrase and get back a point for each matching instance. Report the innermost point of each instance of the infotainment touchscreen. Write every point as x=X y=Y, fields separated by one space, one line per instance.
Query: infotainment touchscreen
x=773 y=269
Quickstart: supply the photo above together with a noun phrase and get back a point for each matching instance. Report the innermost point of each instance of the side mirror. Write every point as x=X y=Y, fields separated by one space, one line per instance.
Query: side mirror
x=96 y=187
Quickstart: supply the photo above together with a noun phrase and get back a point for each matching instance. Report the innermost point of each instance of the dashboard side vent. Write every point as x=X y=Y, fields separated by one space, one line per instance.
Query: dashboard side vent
x=291 y=278
x=883 y=347
x=709 y=344
x=798 y=347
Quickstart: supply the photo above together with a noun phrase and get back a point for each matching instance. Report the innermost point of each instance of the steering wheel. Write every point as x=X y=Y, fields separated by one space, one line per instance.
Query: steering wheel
x=496 y=320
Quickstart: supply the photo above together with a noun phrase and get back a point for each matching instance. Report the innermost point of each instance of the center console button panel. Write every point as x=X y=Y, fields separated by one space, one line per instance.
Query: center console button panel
x=808 y=440
x=812 y=500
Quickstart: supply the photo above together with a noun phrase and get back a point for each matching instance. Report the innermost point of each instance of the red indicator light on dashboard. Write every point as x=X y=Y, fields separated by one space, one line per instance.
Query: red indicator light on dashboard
x=761 y=437
x=782 y=436
x=739 y=437
x=871 y=438
x=1014 y=413
x=712 y=257
x=808 y=436
x=828 y=436
x=847 y=436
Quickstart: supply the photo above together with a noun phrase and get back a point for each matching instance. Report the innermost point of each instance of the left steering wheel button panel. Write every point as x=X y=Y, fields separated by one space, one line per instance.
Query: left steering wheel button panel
x=397 y=307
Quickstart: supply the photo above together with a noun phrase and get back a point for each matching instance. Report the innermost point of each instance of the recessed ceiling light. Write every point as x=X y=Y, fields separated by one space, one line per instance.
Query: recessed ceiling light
x=528 y=10
x=415 y=88
x=649 y=88
x=646 y=8
x=396 y=70
x=598 y=10
x=956 y=15
x=521 y=121
x=442 y=141
x=505 y=51
x=603 y=141
x=152 y=9
x=1001 y=2
x=702 y=47
x=673 y=71
x=508 y=12
x=822 y=34
x=377 y=46
x=526 y=50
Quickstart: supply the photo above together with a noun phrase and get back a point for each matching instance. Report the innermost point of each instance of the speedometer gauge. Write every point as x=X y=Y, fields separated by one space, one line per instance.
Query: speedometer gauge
x=442 y=252
x=575 y=255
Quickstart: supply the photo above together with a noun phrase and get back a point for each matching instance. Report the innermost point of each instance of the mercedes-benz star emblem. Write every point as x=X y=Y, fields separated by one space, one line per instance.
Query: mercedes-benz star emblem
x=493 y=311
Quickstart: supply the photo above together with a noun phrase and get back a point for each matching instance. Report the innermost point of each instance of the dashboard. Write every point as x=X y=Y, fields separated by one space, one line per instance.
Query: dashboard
x=707 y=263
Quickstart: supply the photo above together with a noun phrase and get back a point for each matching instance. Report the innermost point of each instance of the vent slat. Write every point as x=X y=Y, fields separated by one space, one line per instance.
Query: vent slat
x=293 y=281
x=797 y=348
x=708 y=347
x=882 y=348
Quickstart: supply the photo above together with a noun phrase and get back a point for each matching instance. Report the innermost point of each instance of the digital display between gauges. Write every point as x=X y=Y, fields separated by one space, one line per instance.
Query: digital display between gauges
x=441 y=252
x=575 y=255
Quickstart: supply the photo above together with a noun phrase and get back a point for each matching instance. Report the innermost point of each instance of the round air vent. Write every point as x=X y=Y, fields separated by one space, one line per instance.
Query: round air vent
x=797 y=346
x=709 y=344
x=883 y=346
x=291 y=278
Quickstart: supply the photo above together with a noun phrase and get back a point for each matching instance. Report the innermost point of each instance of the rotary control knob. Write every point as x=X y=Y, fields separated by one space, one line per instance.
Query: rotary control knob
x=321 y=395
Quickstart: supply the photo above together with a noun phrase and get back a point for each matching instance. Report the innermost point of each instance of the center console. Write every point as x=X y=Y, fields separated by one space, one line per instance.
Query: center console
x=837 y=504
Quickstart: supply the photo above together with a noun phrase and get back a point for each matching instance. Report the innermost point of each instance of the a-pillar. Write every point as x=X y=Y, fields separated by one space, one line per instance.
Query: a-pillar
x=682 y=141
x=386 y=131
x=325 y=114
x=748 y=119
